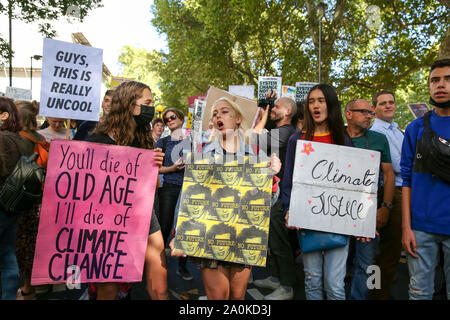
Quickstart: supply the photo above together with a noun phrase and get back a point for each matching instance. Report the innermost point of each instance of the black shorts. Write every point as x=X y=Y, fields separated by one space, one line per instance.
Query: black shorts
x=154 y=223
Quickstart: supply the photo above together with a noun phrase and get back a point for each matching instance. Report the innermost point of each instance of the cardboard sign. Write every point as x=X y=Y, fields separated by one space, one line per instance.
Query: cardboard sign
x=334 y=189
x=268 y=83
x=302 y=90
x=116 y=81
x=225 y=209
x=71 y=81
x=98 y=205
x=288 y=92
x=249 y=107
x=418 y=109
x=18 y=93
x=243 y=91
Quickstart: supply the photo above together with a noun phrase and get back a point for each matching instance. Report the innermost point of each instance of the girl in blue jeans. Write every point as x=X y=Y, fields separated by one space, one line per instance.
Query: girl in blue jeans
x=324 y=270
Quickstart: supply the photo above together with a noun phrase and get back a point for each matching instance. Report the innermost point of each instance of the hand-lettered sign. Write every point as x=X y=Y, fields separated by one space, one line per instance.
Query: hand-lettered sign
x=71 y=81
x=334 y=189
x=96 y=213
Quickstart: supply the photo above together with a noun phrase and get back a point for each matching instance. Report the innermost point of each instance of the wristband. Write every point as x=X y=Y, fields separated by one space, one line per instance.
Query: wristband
x=387 y=205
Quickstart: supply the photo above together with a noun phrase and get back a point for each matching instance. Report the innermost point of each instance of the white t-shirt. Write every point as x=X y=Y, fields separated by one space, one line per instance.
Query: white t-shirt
x=50 y=134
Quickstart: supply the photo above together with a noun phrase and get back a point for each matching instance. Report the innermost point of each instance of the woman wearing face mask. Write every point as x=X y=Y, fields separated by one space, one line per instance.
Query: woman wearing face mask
x=12 y=147
x=128 y=124
x=227 y=280
x=322 y=123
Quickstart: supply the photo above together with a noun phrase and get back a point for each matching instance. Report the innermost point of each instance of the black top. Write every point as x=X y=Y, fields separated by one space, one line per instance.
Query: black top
x=106 y=139
x=280 y=134
x=85 y=130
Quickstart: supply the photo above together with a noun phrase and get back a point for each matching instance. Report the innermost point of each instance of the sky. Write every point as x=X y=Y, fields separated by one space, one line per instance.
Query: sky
x=116 y=24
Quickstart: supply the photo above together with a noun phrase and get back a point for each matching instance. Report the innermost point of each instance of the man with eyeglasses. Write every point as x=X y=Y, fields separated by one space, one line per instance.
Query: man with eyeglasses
x=383 y=103
x=359 y=114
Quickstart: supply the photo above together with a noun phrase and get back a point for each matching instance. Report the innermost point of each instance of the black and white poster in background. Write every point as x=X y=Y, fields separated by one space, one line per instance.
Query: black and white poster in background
x=302 y=89
x=268 y=83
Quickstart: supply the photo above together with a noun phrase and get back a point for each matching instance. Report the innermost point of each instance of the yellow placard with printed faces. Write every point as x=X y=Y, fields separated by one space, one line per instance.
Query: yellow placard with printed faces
x=227 y=200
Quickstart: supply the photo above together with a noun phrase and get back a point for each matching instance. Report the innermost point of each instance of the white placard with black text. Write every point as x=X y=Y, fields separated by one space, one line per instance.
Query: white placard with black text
x=334 y=189
x=71 y=81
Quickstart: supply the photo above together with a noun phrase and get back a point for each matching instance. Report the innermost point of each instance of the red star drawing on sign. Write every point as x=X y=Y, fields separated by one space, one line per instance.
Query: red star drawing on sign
x=307 y=148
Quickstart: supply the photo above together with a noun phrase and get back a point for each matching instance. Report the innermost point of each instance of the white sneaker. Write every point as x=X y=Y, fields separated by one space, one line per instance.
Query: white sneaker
x=281 y=294
x=267 y=283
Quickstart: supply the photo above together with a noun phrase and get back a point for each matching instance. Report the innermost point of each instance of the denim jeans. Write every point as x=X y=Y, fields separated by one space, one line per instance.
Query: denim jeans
x=422 y=269
x=325 y=270
x=365 y=253
x=9 y=269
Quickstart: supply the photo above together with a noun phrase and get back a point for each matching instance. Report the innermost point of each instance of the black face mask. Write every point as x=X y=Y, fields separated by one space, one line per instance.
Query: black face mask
x=145 y=117
x=443 y=105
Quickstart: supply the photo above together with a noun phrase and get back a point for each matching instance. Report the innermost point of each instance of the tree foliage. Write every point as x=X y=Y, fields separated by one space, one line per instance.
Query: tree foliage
x=224 y=42
x=42 y=11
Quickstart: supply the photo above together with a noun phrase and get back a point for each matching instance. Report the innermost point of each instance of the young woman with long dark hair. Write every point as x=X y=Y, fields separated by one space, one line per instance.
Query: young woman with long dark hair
x=128 y=124
x=323 y=122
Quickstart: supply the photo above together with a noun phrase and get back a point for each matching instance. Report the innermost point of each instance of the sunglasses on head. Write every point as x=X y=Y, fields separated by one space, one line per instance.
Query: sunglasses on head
x=172 y=117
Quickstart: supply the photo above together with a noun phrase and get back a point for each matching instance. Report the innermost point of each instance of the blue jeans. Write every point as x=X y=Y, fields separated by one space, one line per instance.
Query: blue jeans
x=422 y=269
x=8 y=263
x=364 y=257
x=325 y=270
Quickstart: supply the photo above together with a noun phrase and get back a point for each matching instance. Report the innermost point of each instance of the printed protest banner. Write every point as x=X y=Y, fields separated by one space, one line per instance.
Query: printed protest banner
x=418 y=109
x=191 y=100
x=288 y=92
x=95 y=221
x=335 y=189
x=249 y=107
x=71 y=81
x=199 y=111
x=268 y=83
x=243 y=91
x=225 y=208
x=302 y=89
x=116 y=81
x=18 y=93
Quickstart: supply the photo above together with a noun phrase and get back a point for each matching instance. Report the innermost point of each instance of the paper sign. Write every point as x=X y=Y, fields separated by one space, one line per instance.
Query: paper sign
x=268 y=83
x=249 y=107
x=288 y=92
x=418 y=109
x=302 y=90
x=199 y=111
x=334 y=189
x=95 y=222
x=225 y=209
x=18 y=93
x=243 y=91
x=71 y=81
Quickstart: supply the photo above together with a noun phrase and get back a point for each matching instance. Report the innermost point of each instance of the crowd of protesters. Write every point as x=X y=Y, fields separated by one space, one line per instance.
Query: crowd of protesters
x=413 y=208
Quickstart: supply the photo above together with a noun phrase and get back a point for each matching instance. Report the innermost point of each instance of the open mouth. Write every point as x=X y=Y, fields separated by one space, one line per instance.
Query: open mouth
x=219 y=125
x=316 y=113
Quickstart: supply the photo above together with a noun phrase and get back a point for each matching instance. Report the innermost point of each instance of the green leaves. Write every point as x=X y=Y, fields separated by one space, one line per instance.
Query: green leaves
x=229 y=42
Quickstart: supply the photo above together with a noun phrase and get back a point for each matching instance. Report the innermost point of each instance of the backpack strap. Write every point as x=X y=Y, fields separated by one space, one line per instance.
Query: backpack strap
x=42 y=142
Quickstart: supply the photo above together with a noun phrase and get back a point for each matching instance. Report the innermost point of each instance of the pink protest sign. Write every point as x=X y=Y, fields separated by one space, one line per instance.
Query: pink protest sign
x=95 y=215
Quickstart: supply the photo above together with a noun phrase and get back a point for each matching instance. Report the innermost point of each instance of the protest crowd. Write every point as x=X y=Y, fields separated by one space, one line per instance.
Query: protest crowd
x=247 y=220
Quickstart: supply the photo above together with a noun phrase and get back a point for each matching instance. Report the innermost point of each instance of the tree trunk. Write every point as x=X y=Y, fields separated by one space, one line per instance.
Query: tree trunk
x=444 y=49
